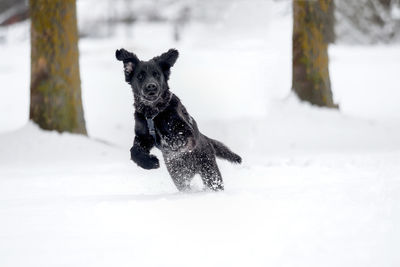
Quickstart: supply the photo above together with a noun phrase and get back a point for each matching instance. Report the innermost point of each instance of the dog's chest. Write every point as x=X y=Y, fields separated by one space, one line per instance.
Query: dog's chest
x=170 y=131
x=169 y=123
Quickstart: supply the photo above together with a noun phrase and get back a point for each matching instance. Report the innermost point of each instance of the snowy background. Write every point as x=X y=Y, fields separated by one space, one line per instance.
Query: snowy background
x=317 y=187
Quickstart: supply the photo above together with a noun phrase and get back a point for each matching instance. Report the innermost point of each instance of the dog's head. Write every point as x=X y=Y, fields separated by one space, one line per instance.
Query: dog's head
x=147 y=78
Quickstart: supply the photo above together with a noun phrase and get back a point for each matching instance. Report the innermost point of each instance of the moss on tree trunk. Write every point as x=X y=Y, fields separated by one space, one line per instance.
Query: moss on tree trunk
x=311 y=80
x=56 y=102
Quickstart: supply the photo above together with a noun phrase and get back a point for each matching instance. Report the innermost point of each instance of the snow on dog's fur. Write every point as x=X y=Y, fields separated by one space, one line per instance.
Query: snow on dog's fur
x=162 y=121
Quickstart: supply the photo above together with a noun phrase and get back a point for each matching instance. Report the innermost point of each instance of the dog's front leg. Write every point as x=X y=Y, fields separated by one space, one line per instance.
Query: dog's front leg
x=180 y=137
x=140 y=154
x=179 y=142
x=140 y=151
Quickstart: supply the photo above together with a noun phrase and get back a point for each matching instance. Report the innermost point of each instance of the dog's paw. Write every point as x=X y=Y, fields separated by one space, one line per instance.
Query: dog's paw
x=179 y=143
x=176 y=143
x=148 y=163
x=144 y=160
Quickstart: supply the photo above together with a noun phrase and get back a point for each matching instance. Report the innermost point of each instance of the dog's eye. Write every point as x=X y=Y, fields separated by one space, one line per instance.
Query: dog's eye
x=156 y=74
x=140 y=76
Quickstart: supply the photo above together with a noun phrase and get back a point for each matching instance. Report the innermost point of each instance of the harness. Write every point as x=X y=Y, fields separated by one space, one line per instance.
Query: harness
x=150 y=125
x=150 y=121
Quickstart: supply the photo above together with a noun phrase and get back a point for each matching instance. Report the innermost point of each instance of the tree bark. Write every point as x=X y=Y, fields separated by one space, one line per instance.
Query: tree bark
x=311 y=81
x=329 y=21
x=56 y=102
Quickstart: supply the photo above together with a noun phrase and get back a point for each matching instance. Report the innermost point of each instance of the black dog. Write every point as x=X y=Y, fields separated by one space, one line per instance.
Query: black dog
x=162 y=121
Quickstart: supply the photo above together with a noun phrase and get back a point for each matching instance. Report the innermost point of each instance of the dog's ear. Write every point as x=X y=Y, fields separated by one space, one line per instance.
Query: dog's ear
x=167 y=60
x=130 y=61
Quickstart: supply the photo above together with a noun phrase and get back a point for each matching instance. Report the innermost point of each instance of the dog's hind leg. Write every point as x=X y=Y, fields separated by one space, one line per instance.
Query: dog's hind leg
x=182 y=180
x=181 y=174
x=211 y=175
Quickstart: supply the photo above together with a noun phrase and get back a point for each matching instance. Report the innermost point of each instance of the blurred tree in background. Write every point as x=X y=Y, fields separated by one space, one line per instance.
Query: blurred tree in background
x=55 y=80
x=312 y=31
x=13 y=11
x=368 y=21
x=357 y=21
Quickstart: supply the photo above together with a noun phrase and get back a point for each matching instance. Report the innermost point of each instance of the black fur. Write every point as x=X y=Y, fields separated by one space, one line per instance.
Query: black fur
x=185 y=149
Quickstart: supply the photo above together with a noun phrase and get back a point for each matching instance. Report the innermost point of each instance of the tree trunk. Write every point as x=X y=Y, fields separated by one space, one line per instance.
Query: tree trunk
x=329 y=21
x=56 y=102
x=311 y=80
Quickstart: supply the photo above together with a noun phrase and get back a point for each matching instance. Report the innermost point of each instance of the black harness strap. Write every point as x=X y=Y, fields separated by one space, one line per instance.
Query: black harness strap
x=150 y=120
x=152 y=130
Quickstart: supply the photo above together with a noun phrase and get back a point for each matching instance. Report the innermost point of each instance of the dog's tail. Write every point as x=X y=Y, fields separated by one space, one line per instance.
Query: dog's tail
x=224 y=152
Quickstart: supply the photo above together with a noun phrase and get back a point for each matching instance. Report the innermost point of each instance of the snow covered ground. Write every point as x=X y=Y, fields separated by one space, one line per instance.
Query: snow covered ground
x=317 y=187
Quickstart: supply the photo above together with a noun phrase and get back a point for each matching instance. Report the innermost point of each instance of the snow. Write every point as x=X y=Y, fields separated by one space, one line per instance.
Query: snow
x=71 y=201
x=317 y=187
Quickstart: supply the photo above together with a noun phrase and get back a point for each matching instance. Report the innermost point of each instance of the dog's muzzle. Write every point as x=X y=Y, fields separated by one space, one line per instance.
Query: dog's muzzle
x=151 y=91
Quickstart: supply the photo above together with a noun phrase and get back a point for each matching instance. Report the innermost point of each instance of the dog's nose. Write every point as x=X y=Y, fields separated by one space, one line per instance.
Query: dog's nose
x=151 y=88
